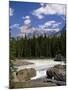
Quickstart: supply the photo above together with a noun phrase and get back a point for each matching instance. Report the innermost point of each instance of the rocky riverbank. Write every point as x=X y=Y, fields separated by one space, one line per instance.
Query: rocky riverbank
x=56 y=76
x=44 y=82
x=22 y=63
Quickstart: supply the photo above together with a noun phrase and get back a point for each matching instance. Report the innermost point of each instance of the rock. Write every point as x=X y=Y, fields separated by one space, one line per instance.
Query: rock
x=57 y=72
x=59 y=57
x=26 y=74
x=22 y=63
x=59 y=83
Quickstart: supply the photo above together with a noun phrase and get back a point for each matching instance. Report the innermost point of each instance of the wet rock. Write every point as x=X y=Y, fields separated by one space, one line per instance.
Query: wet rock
x=26 y=74
x=59 y=83
x=59 y=57
x=57 y=72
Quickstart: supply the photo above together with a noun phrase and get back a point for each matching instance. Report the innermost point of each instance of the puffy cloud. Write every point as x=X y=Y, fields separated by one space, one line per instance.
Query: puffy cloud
x=51 y=30
x=11 y=12
x=38 y=12
x=49 y=26
x=59 y=9
x=40 y=30
x=52 y=24
x=56 y=25
x=27 y=29
x=27 y=21
x=42 y=4
x=14 y=26
x=49 y=9
x=25 y=17
x=40 y=16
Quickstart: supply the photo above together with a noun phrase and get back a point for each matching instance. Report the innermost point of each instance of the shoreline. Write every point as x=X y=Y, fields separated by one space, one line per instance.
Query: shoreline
x=34 y=58
x=42 y=82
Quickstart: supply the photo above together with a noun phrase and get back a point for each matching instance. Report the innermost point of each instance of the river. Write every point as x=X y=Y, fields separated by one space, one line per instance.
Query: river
x=41 y=66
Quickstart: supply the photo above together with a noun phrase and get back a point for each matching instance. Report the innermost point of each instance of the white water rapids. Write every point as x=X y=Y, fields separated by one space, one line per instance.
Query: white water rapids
x=40 y=66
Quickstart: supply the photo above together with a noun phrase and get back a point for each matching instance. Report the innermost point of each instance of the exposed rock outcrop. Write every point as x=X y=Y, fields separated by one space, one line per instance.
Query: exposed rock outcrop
x=26 y=74
x=59 y=57
x=57 y=72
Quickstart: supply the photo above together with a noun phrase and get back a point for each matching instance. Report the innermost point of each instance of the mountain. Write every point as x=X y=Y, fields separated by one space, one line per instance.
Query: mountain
x=29 y=32
x=60 y=32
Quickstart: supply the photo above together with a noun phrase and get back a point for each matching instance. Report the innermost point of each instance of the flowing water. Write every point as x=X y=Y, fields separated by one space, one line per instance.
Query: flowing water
x=41 y=66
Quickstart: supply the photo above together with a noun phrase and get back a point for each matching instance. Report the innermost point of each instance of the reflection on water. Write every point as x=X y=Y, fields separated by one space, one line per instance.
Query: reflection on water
x=40 y=66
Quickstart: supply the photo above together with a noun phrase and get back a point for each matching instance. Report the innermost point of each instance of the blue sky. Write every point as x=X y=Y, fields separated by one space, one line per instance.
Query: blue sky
x=37 y=15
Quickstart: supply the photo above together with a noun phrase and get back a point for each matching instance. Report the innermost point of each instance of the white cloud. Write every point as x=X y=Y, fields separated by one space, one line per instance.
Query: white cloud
x=42 y=4
x=40 y=16
x=27 y=21
x=11 y=12
x=38 y=12
x=25 y=31
x=50 y=26
x=50 y=23
x=26 y=17
x=59 y=8
x=49 y=9
x=56 y=25
x=51 y=30
x=28 y=29
x=14 y=26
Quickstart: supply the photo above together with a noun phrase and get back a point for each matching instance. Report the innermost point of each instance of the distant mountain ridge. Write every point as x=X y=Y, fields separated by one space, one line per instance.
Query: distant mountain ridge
x=29 y=32
x=62 y=31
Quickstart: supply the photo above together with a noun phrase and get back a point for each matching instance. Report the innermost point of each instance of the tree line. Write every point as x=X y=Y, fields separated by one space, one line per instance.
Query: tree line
x=38 y=47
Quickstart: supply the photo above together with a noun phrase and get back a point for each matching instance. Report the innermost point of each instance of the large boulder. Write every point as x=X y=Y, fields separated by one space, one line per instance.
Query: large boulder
x=26 y=74
x=57 y=72
x=59 y=57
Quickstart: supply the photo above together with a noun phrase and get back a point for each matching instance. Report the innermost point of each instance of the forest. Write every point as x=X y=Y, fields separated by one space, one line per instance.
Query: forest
x=38 y=47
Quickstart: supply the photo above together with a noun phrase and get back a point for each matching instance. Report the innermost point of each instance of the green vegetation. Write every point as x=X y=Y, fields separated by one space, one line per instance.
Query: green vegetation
x=12 y=68
x=38 y=47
